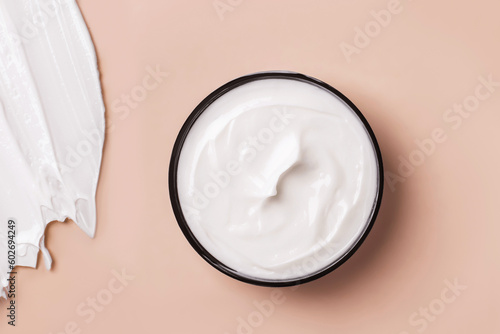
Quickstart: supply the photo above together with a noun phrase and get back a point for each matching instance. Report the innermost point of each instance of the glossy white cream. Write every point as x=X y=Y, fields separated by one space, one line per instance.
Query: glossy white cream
x=277 y=179
x=51 y=123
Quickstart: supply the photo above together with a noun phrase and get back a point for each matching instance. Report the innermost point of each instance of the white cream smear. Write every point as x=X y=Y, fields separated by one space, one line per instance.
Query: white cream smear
x=51 y=124
x=278 y=179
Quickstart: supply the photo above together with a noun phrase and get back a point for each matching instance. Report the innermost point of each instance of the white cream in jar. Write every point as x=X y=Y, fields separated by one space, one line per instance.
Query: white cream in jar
x=278 y=179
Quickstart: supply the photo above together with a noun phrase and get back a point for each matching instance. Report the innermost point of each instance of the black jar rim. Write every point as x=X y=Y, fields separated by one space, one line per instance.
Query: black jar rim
x=174 y=196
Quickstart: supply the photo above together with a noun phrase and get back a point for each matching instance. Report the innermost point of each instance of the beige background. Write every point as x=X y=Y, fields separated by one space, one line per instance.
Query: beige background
x=441 y=224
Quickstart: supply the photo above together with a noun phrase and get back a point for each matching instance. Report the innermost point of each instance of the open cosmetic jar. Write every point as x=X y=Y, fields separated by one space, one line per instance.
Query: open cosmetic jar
x=276 y=178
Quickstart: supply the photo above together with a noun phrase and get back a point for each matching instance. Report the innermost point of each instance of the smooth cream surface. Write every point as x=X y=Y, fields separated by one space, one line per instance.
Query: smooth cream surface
x=51 y=124
x=277 y=179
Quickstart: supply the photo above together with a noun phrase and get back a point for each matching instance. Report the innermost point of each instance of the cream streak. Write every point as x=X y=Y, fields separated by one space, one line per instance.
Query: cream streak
x=51 y=123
